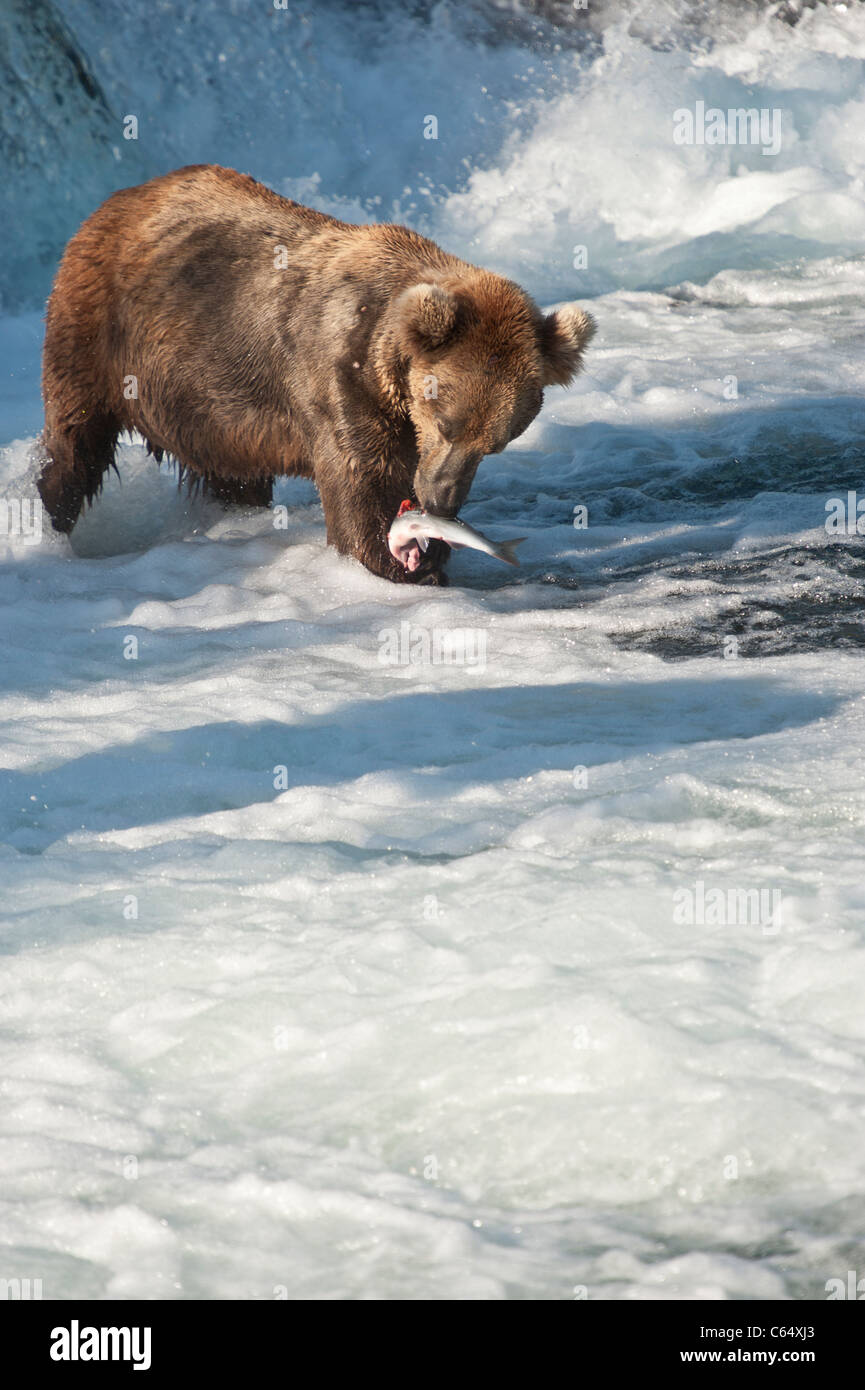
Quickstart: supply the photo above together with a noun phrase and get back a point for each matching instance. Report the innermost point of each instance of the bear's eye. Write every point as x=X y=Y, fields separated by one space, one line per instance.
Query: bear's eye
x=448 y=429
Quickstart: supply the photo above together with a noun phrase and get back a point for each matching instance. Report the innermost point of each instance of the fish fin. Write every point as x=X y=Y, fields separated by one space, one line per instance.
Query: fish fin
x=505 y=550
x=422 y=541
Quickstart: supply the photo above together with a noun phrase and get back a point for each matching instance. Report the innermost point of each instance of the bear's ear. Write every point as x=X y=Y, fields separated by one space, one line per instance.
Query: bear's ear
x=564 y=334
x=427 y=316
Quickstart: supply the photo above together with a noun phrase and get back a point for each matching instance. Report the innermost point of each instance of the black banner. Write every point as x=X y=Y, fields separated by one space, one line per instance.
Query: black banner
x=222 y=1338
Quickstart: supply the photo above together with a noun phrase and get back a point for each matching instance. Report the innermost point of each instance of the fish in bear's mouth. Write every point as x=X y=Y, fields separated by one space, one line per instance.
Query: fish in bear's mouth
x=413 y=528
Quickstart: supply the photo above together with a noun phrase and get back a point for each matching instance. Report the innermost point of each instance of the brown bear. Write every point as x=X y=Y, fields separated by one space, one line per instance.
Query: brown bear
x=248 y=337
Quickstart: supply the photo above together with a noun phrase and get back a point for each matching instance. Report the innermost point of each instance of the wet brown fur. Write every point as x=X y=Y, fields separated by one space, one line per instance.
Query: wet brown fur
x=247 y=369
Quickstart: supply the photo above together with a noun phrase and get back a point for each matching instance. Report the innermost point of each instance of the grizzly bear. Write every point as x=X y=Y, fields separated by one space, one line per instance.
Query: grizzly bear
x=248 y=337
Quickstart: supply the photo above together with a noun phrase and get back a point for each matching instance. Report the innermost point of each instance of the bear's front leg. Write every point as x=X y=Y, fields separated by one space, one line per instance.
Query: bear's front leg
x=359 y=509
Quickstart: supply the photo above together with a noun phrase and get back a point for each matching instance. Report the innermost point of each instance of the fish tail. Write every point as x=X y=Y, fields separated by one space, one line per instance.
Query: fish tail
x=505 y=550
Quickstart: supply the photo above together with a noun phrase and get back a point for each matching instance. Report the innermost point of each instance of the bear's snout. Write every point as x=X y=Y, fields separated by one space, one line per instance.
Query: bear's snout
x=442 y=484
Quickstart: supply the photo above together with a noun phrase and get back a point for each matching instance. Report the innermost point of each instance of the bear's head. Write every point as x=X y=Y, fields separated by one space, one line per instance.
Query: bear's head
x=476 y=354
